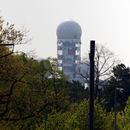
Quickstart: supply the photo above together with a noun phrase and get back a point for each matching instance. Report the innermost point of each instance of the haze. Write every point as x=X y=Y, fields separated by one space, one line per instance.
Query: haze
x=106 y=21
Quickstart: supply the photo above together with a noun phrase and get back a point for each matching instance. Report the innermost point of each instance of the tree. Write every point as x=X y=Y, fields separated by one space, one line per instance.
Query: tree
x=127 y=115
x=76 y=118
x=104 y=62
x=34 y=95
x=123 y=120
x=119 y=81
x=79 y=119
x=76 y=91
x=9 y=37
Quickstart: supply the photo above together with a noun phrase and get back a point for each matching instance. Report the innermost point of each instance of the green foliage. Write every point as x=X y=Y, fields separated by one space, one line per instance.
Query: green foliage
x=39 y=92
x=57 y=121
x=32 y=93
x=127 y=109
x=76 y=92
x=119 y=82
x=79 y=120
x=127 y=116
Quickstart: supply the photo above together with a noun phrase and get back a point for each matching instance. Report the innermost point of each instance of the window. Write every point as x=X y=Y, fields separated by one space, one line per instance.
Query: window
x=76 y=61
x=60 y=61
x=77 y=45
x=59 y=43
x=60 y=52
x=77 y=52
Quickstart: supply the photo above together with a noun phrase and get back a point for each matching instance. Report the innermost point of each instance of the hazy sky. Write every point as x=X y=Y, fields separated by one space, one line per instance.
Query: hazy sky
x=106 y=21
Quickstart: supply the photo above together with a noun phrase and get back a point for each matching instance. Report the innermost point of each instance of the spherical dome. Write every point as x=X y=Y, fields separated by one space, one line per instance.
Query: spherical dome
x=69 y=30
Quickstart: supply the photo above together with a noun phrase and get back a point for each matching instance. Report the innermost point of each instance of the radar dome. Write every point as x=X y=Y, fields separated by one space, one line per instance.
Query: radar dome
x=69 y=30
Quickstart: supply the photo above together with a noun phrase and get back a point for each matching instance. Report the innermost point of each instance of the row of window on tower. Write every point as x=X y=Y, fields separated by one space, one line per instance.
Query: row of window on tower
x=76 y=44
x=68 y=61
x=70 y=52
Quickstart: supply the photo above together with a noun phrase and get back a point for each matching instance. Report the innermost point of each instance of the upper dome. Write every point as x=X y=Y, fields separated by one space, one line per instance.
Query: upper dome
x=69 y=30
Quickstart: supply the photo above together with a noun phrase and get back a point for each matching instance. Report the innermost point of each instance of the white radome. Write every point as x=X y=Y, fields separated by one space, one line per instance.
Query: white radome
x=69 y=30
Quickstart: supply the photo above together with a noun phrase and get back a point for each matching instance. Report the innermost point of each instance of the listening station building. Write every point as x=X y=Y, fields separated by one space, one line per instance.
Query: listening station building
x=69 y=48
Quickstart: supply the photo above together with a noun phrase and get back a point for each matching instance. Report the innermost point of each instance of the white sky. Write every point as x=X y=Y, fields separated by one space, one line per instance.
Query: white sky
x=106 y=21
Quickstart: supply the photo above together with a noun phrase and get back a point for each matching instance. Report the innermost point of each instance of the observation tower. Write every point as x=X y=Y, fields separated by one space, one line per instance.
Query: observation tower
x=69 y=47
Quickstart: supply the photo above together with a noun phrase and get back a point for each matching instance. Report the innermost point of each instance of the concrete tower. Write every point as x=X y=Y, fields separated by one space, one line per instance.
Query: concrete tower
x=68 y=47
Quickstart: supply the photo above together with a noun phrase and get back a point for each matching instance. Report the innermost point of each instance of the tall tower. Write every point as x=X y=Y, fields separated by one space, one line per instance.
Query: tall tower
x=68 y=47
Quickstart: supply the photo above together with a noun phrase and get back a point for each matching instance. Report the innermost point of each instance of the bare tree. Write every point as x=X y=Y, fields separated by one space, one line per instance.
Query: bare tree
x=105 y=60
x=9 y=37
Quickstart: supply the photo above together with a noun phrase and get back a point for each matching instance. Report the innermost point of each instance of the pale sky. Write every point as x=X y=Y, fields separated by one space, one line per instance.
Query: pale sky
x=105 y=21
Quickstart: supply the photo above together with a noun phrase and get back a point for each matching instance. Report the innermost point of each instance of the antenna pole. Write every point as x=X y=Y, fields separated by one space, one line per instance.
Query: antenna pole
x=91 y=96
